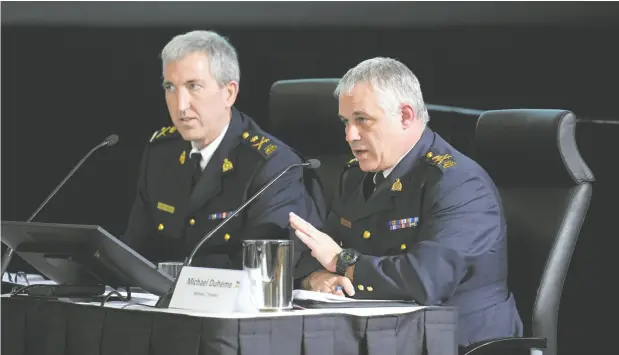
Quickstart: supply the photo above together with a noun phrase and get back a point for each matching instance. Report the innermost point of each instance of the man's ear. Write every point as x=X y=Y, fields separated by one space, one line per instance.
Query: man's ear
x=230 y=92
x=407 y=116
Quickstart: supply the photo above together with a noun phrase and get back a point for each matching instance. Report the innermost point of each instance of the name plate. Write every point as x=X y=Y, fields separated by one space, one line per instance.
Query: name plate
x=213 y=291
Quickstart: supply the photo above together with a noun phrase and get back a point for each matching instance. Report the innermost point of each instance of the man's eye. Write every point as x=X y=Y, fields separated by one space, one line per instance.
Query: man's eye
x=360 y=119
x=194 y=86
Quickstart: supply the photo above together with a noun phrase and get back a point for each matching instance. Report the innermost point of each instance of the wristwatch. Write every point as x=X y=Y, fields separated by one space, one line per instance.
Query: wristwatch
x=346 y=258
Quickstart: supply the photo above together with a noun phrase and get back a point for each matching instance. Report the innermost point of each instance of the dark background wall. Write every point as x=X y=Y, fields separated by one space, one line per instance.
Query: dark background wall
x=73 y=74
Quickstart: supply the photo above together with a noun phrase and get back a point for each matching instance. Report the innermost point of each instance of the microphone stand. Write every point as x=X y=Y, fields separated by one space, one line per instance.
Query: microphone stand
x=164 y=301
x=8 y=255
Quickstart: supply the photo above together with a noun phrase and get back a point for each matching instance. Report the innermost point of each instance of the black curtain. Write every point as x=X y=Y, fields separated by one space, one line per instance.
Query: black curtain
x=64 y=89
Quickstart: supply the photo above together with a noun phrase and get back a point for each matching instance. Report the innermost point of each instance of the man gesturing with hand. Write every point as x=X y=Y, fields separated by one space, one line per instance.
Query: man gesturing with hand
x=412 y=218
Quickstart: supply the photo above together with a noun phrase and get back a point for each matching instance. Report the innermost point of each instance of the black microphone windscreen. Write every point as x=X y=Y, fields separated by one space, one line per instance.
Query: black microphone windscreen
x=111 y=140
x=313 y=163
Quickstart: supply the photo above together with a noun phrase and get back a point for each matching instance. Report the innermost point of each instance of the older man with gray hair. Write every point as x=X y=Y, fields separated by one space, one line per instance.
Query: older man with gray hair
x=413 y=218
x=213 y=158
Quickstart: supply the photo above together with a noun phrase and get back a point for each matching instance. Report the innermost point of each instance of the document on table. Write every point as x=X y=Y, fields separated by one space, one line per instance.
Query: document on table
x=305 y=298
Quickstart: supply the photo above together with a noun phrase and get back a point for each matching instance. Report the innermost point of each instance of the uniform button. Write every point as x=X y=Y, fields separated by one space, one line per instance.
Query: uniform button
x=429 y=155
x=370 y=288
x=192 y=221
x=160 y=226
x=227 y=237
x=245 y=135
x=403 y=247
x=366 y=235
x=360 y=287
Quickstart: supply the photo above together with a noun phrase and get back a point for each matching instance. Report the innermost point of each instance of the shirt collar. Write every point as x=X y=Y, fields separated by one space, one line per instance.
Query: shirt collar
x=208 y=151
x=386 y=172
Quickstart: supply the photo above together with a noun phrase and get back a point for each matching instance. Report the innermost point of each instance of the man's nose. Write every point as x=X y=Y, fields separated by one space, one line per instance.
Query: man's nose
x=182 y=101
x=352 y=133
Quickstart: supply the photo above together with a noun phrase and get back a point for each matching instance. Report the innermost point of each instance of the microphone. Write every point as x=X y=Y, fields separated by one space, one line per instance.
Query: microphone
x=164 y=300
x=110 y=141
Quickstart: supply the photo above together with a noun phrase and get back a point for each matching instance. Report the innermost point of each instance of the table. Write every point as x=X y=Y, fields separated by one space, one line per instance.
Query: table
x=42 y=327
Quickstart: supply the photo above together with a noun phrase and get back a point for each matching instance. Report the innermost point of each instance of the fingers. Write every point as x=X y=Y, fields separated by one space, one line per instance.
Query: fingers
x=339 y=292
x=324 y=288
x=337 y=285
x=347 y=285
x=306 y=239
x=300 y=224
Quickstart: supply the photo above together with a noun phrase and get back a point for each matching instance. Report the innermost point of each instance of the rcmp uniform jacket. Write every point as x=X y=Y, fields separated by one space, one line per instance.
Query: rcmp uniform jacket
x=433 y=232
x=168 y=219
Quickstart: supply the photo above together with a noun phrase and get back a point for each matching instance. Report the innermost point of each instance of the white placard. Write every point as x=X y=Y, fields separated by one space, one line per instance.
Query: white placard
x=213 y=291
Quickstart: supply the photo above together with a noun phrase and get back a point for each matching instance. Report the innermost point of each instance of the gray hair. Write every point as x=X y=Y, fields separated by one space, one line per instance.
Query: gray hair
x=221 y=54
x=392 y=82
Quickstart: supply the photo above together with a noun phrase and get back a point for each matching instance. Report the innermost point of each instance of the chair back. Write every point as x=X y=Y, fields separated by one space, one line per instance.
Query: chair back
x=545 y=187
x=303 y=113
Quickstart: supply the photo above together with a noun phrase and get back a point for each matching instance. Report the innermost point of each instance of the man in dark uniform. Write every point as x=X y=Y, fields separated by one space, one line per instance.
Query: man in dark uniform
x=197 y=172
x=413 y=218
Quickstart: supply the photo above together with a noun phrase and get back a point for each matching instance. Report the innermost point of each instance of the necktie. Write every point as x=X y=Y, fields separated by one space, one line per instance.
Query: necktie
x=197 y=169
x=368 y=183
x=379 y=177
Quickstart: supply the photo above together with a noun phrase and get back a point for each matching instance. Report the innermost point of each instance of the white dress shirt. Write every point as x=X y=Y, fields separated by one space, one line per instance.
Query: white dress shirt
x=386 y=172
x=208 y=151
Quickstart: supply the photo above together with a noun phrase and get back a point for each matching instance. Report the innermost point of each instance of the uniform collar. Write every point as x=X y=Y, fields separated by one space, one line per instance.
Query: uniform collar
x=208 y=151
x=406 y=162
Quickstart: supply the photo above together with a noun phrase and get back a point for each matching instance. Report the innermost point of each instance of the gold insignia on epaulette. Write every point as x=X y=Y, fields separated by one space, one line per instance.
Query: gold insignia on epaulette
x=227 y=165
x=182 y=158
x=397 y=185
x=351 y=161
x=262 y=141
x=445 y=161
x=163 y=132
x=270 y=149
x=253 y=139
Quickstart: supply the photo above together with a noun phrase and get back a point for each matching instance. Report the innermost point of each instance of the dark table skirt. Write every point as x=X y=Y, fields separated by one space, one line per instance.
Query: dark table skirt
x=38 y=327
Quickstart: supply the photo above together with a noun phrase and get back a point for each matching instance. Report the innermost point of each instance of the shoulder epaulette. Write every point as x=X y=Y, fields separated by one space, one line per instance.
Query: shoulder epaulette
x=442 y=161
x=260 y=143
x=352 y=162
x=164 y=133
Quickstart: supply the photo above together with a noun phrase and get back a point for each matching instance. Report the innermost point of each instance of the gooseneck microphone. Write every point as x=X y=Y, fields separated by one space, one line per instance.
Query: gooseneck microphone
x=110 y=141
x=164 y=300
x=310 y=164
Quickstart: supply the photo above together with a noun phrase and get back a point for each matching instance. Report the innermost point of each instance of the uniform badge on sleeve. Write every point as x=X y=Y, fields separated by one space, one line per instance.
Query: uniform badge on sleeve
x=403 y=223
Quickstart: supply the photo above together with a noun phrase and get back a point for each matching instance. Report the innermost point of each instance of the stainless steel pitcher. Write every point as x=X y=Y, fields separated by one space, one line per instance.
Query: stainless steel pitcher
x=268 y=264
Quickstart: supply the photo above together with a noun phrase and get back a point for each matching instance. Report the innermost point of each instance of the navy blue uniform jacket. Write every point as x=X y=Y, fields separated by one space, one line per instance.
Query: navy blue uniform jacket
x=168 y=218
x=434 y=232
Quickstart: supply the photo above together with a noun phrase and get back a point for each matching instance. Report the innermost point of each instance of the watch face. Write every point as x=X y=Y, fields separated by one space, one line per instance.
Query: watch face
x=348 y=256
